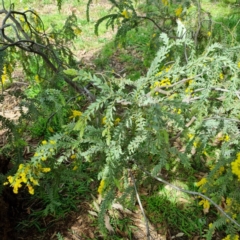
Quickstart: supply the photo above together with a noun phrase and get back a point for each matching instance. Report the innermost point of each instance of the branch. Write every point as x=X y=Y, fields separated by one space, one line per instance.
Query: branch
x=159 y=89
x=193 y=119
x=140 y=205
x=192 y=193
x=182 y=81
x=150 y=19
x=221 y=118
x=25 y=43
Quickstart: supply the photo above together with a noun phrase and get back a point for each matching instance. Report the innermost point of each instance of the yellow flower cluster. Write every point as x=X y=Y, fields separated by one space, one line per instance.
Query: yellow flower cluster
x=50 y=129
x=238 y=64
x=77 y=31
x=27 y=174
x=104 y=120
x=221 y=76
x=73 y=157
x=75 y=168
x=196 y=143
x=232 y=207
x=164 y=69
x=167 y=69
x=236 y=166
x=52 y=142
x=178 y=111
x=101 y=186
x=76 y=113
x=229 y=237
x=224 y=138
x=229 y=201
x=126 y=14
x=24 y=24
x=178 y=11
x=221 y=170
x=4 y=76
x=22 y=19
x=188 y=90
x=116 y=121
x=206 y=204
x=37 y=79
x=202 y=182
x=35 y=18
x=163 y=82
x=190 y=136
x=165 y=2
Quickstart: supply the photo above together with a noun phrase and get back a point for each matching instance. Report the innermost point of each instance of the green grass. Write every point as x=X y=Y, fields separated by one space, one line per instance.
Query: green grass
x=132 y=54
x=133 y=64
x=175 y=210
x=48 y=11
x=216 y=9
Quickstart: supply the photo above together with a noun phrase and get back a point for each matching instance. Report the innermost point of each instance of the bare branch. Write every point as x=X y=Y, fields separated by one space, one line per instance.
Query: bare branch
x=140 y=205
x=159 y=88
x=192 y=193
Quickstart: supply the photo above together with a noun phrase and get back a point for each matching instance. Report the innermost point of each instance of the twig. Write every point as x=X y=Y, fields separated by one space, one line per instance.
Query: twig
x=159 y=88
x=54 y=113
x=150 y=19
x=140 y=205
x=216 y=89
x=220 y=118
x=186 y=125
x=191 y=121
x=181 y=82
x=192 y=193
x=188 y=99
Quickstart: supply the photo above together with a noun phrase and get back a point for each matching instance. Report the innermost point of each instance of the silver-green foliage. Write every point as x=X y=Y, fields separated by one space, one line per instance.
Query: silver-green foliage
x=203 y=89
x=161 y=124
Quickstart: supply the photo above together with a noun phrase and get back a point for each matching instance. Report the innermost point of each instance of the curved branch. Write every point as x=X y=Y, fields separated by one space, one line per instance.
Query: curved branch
x=192 y=193
x=25 y=43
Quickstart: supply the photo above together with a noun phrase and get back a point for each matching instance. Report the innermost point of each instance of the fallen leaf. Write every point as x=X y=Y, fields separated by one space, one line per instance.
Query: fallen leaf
x=107 y=224
x=96 y=206
x=93 y=213
x=179 y=234
x=118 y=206
x=196 y=238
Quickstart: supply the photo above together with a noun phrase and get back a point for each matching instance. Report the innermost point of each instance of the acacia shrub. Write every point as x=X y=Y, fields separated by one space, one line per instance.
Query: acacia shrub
x=193 y=99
